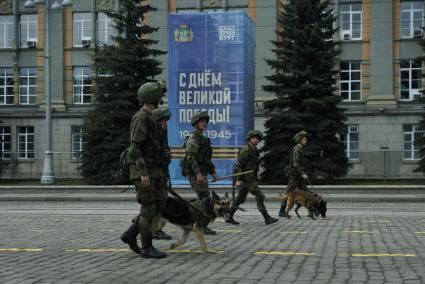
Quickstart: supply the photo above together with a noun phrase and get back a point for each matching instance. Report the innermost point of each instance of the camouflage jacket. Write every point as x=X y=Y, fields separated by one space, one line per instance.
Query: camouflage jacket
x=166 y=154
x=198 y=154
x=297 y=161
x=146 y=149
x=248 y=159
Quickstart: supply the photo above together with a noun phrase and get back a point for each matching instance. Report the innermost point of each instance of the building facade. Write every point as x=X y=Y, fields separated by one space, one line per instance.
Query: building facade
x=379 y=77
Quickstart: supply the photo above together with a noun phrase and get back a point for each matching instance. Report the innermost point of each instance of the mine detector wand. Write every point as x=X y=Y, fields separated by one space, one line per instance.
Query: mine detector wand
x=233 y=176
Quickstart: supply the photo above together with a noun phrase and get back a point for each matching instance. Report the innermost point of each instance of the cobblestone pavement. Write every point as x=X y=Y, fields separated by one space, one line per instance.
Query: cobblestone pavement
x=78 y=242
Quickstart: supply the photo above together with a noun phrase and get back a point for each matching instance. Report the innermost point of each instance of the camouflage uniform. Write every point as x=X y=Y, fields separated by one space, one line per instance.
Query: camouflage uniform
x=158 y=115
x=249 y=159
x=144 y=158
x=296 y=169
x=198 y=154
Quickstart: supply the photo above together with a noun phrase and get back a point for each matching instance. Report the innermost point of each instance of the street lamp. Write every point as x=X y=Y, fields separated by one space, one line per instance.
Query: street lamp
x=48 y=176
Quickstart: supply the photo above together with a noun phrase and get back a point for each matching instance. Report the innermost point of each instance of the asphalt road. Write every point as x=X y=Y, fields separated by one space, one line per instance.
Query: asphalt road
x=78 y=242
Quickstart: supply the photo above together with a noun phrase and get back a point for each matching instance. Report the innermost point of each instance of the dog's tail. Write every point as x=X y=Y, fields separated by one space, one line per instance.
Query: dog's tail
x=283 y=197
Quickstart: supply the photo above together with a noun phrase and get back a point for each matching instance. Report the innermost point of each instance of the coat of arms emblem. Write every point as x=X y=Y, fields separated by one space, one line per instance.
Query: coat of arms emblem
x=183 y=34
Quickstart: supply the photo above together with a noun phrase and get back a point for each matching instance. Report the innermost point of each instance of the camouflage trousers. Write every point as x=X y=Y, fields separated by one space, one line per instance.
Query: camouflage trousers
x=152 y=198
x=294 y=183
x=251 y=187
x=202 y=190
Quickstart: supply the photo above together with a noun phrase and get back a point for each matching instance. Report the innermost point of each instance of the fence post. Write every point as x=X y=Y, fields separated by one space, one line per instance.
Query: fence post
x=385 y=150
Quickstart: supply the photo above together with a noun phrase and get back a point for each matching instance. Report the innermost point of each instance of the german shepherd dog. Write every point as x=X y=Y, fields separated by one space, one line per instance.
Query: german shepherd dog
x=313 y=202
x=189 y=219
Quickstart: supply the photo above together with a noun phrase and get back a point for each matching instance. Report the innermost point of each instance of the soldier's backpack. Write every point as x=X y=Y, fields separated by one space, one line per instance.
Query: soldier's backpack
x=183 y=161
x=124 y=164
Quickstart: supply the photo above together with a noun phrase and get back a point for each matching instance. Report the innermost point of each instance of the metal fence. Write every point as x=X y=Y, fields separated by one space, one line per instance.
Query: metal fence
x=65 y=165
x=373 y=164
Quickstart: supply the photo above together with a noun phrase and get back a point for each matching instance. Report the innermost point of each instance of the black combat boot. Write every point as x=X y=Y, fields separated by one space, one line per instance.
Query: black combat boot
x=161 y=235
x=267 y=218
x=208 y=231
x=282 y=210
x=148 y=251
x=229 y=218
x=130 y=237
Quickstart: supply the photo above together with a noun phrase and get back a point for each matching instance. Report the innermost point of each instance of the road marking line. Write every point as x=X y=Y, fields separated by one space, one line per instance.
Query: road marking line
x=384 y=254
x=419 y=232
x=362 y=232
x=190 y=251
x=97 y=250
x=292 y=232
x=22 y=249
x=283 y=253
x=229 y=231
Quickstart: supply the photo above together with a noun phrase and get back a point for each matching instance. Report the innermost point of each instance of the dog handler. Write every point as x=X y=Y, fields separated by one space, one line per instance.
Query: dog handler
x=249 y=159
x=146 y=168
x=197 y=161
x=297 y=176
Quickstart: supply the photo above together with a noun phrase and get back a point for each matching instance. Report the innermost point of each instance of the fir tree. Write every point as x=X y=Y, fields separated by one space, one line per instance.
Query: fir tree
x=128 y=64
x=304 y=84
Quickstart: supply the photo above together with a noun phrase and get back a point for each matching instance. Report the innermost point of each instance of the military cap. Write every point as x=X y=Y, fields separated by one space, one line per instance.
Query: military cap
x=161 y=113
x=151 y=92
x=199 y=115
x=253 y=133
x=300 y=135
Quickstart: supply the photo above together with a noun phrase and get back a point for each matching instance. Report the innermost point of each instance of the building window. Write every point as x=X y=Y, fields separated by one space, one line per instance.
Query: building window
x=350 y=138
x=5 y=140
x=81 y=29
x=27 y=85
x=105 y=29
x=350 y=80
x=410 y=80
x=6 y=86
x=411 y=19
x=77 y=142
x=25 y=142
x=82 y=85
x=411 y=133
x=6 y=31
x=351 y=21
x=28 y=31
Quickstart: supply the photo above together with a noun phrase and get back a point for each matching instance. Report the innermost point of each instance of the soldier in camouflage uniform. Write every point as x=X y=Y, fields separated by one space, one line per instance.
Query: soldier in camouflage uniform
x=297 y=176
x=146 y=168
x=249 y=159
x=162 y=116
x=197 y=162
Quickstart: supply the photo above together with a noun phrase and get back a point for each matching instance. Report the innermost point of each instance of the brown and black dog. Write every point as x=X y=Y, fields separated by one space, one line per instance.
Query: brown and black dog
x=313 y=202
x=191 y=220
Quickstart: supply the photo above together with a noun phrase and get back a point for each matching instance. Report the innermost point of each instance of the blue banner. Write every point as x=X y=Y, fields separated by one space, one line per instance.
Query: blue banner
x=211 y=68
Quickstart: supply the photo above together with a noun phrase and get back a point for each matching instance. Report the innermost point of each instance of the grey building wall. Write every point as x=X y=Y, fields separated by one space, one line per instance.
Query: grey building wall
x=379 y=125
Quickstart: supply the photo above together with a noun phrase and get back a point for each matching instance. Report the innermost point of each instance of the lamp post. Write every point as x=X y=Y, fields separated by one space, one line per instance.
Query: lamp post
x=48 y=176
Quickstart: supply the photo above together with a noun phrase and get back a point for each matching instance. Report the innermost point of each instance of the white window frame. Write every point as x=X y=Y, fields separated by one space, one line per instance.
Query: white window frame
x=6 y=31
x=25 y=139
x=82 y=82
x=6 y=86
x=105 y=29
x=414 y=93
x=411 y=11
x=81 y=28
x=77 y=143
x=5 y=142
x=410 y=150
x=351 y=150
x=28 y=86
x=351 y=81
x=352 y=13
x=27 y=29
